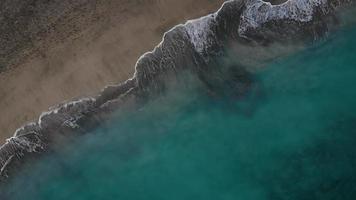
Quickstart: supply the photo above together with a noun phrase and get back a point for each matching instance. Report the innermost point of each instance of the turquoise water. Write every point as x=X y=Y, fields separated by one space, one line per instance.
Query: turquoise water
x=292 y=138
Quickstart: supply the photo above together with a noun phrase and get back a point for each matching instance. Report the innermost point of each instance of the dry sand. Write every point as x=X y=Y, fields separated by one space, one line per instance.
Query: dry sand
x=87 y=47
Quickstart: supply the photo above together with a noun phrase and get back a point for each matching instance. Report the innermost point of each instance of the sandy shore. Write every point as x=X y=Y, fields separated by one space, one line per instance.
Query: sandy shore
x=93 y=44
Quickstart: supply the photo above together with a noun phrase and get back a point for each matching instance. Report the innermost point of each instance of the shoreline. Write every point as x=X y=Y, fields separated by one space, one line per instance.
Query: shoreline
x=186 y=46
x=99 y=54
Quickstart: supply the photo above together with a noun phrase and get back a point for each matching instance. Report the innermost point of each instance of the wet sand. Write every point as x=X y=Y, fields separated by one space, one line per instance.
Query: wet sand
x=87 y=47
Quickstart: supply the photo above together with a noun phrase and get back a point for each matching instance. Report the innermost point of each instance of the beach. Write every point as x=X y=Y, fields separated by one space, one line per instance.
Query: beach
x=253 y=101
x=89 y=46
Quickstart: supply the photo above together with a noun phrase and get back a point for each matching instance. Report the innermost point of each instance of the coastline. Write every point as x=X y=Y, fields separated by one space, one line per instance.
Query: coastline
x=183 y=52
x=98 y=53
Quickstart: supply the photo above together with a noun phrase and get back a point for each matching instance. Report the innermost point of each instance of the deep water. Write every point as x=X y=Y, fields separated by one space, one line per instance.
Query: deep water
x=293 y=138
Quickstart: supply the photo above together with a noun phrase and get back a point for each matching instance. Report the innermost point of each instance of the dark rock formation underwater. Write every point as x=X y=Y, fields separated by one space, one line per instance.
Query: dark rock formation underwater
x=194 y=47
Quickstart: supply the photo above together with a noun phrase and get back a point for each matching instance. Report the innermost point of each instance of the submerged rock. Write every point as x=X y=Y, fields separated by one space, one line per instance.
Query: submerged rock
x=193 y=47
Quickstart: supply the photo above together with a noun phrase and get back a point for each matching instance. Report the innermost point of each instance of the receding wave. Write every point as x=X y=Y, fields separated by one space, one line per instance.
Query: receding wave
x=216 y=57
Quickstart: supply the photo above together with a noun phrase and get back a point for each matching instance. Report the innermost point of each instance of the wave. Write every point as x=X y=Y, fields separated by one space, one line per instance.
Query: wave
x=194 y=47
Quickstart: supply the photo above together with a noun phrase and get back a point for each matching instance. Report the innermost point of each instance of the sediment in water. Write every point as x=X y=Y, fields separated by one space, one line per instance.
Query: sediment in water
x=194 y=47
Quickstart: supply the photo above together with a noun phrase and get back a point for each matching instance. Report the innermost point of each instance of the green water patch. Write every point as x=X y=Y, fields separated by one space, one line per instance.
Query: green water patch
x=293 y=138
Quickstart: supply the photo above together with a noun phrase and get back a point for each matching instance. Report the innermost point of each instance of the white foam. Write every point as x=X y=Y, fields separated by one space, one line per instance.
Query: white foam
x=258 y=12
x=199 y=32
x=56 y=109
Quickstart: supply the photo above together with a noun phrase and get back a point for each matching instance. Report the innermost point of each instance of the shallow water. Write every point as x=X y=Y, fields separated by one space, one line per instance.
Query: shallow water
x=291 y=138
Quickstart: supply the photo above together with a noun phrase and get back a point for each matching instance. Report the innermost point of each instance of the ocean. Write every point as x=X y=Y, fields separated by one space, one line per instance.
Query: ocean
x=291 y=137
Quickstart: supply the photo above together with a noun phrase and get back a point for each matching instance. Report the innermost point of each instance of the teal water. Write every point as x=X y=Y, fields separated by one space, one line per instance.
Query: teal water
x=293 y=139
